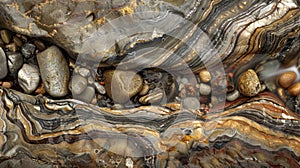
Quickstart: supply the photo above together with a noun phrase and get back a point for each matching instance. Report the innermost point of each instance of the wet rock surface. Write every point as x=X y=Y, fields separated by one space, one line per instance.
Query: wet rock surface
x=176 y=48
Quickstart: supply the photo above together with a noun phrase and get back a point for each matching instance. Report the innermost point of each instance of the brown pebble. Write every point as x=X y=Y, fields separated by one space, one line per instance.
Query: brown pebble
x=248 y=83
x=295 y=89
x=6 y=85
x=286 y=79
x=204 y=76
x=6 y=36
x=41 y=89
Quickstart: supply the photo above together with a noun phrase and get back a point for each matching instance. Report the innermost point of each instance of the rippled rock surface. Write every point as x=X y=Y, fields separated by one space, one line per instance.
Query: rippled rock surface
x=184 y=36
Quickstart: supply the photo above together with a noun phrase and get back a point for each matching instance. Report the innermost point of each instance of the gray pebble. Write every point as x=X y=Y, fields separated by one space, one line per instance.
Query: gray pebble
x=78 y=84
x=28 y=78
x=87 y=95
x=15 y=61
x=6 y=36
x=3 y=64
x=233 y=95
x=100 y=88
x=84 y=72
x=191 y=103
x=28 y=50
x=54 y=71
x=204 y=89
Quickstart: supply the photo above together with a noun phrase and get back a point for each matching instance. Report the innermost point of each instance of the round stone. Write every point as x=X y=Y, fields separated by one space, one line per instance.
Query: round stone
x=204 y=89
x=28 y=78
x=54 y=71
x=15 y=61
x=295 y=89
x=233 y=95
x=122 y=85
x=204 y=76
x=286 y=79
x=191 y=103
x=3 y=64
x=78 y=84
x=87 y=95
x=248 y=83
x=28 y=50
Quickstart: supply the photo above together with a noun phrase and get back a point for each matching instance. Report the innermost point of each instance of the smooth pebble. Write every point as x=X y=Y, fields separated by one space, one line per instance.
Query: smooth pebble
x=28 y=78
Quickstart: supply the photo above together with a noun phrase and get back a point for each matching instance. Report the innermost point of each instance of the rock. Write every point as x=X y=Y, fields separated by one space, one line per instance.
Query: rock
x=28 y=78
x=248 y=83
x=11 y=47
x=28 y=50
x=78 y=84
x=54 y=71
x=39 y=45
x=204 y=89
x=204 y=76
x=144 y=90
x=6 y=85
x=87 y=95
x=15 y=61
x=6 y=36
x=295 y=89
x=286 y=79
x=154 y=97
x=122 y=85
x=100 y=88
x=191 y=103
x=17 y=41
x=84 y=72
x=233 y=95
x=3 y=64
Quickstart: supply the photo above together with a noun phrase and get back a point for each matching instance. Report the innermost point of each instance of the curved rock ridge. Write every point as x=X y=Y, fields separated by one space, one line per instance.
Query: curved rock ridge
x=69 y=132
x=198 y=32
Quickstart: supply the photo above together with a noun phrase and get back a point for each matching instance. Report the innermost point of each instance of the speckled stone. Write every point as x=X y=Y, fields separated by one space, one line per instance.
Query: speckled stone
x=204 y=76
x=122 y=85
x=248 y=83
x=54 y=71
x=28 y=78
x=3 y=64
x=28 y=49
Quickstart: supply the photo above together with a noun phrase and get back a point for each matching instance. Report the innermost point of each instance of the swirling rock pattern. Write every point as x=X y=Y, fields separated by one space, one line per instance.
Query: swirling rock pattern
x=257 y=131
